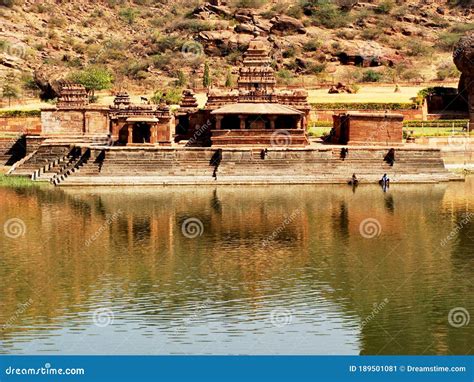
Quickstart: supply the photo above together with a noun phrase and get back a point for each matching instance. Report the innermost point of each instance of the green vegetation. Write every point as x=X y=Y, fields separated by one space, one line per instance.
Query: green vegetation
x=206 y=79
x=93 y=78
x=9 y=89
x=371 y=76
x=129 y=15
x=17 y=182
x=20 y=113
x=170 y=96
x=363 y=106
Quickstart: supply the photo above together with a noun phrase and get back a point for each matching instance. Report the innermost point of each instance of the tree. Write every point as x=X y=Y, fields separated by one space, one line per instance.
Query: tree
x=229 y=81
x=93 y=78
x=206 y=81
x=9 y=89
x=181 y=78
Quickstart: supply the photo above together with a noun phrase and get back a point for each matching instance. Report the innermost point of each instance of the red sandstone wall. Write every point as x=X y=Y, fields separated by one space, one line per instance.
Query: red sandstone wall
x=375 y=130
x=20 y=125
x=69 y=121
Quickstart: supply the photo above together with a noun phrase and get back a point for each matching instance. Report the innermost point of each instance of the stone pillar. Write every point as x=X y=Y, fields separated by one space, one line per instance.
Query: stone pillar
x=130 y=134
x=303 y=122
x=242 y=121
x=219 y=119
x=154 y=134
x=272 y=119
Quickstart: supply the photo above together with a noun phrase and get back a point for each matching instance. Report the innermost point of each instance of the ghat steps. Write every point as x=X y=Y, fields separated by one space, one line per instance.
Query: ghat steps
x=63 y=164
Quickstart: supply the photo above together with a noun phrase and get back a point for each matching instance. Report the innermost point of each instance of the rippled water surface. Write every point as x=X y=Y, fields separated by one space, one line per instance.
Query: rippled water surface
x=238 y=270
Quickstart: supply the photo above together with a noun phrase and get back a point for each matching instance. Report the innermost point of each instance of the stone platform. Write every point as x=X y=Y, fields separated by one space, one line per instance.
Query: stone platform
x=71 y=165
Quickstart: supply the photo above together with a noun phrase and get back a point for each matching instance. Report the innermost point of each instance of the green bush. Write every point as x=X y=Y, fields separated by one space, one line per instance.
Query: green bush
x=170 y=96
x=363 y=106
x=20 y=113
x=371 y=76
x=129 y=15
x=385 y=7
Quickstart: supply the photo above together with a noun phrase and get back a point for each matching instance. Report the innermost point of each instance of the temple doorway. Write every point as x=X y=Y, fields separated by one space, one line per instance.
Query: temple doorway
x=141 y=133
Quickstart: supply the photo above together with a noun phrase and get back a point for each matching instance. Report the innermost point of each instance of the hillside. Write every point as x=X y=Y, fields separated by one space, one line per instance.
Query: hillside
x=150 y=44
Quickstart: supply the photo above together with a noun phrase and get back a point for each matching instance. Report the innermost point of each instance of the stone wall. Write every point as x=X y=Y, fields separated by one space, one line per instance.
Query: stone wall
x=368 y=129
x=12 y=150
x=20 y=125
x=74 y=121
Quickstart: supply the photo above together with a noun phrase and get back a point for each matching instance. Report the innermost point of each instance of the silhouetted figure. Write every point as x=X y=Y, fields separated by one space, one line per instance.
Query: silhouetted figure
x=263 y=153
x=216 y=161
x=344 y=153
x=354 y=181
x=390 y=157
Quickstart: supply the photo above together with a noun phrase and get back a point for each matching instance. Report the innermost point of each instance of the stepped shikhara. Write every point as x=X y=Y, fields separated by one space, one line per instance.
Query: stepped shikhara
x=257 y=113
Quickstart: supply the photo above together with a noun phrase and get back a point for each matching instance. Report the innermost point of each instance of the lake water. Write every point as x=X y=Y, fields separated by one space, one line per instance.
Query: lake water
x=238 y=270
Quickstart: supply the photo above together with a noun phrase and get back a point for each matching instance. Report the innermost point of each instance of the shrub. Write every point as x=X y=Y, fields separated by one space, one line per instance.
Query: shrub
x=128 y=15
x=249 y=3
x=193 y=25
x=371 y=76
x=311 y=45
x=170 y=96
x=446 y=70
x=385 y=7
x=418 y=48
x=326 y=13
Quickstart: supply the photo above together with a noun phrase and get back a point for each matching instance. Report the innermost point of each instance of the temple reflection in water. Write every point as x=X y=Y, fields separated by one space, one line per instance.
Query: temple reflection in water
x=257 y=249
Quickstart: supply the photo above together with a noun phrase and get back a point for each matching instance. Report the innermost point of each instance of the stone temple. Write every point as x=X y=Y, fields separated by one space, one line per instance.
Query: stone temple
x=255 y=113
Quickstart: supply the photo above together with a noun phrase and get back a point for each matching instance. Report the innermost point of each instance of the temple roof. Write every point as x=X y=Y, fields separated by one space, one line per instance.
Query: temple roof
x=257 y=108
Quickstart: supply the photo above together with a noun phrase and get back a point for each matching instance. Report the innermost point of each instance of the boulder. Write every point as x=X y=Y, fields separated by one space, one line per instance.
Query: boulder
x=286 y=25
x=464 y=60
x=49 y=80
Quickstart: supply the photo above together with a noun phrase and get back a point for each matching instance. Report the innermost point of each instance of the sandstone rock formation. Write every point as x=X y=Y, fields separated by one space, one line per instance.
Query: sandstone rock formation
x=464 y=60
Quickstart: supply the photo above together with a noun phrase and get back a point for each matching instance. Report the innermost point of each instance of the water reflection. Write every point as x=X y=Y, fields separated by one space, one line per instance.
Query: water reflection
x=269 y=270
